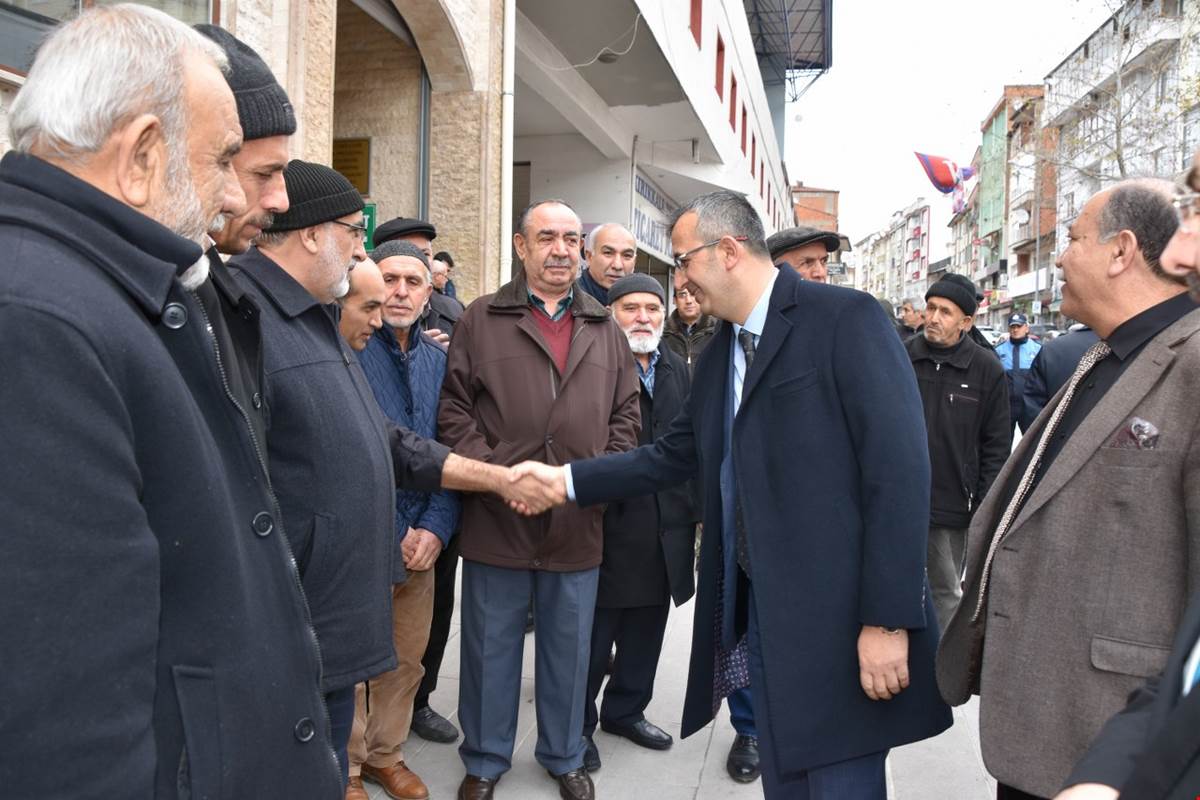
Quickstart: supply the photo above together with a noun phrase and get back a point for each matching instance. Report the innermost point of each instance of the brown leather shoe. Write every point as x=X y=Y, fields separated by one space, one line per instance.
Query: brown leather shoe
x=575 y=785
x=399 y=781
x=474 y=787
x=355 y=790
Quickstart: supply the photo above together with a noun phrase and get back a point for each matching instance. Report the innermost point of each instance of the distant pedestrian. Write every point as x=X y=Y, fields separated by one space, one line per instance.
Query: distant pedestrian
x=449 y=289
x=1016 y=355
x=912 y=316
x=966 y=419
x=688 y=329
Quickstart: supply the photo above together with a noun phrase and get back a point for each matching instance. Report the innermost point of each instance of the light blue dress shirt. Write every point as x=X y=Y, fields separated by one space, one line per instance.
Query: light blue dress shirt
x=754 y=323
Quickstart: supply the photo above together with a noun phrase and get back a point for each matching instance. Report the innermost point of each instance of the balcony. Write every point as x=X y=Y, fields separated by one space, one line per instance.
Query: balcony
x=1022 y=200
x=1093 y=66
x=1032 y=281
x=1021 y=235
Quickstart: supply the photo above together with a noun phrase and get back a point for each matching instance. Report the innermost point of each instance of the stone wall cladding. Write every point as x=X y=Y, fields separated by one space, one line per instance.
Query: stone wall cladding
x=377 y=95
x=313 y=42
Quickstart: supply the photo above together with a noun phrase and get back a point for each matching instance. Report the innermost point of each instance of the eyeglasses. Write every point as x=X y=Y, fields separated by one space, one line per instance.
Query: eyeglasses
x=359 y=231
x=682 y=259
x=683 y=294
x=1186 y=206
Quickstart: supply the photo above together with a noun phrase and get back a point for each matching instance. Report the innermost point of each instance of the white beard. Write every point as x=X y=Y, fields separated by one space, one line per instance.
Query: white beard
x=642 y=344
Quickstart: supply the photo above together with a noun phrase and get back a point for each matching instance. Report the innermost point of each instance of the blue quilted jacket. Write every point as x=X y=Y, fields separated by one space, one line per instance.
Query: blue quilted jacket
x=407 y=386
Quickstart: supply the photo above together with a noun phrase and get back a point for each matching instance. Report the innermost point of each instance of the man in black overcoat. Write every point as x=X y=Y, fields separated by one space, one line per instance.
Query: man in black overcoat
x=648 y=541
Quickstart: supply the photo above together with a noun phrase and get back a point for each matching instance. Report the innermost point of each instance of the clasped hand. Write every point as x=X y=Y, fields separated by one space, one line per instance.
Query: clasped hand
x=534 y=487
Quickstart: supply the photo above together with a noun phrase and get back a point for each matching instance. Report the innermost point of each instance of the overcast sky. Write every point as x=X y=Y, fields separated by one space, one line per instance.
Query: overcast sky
x=919 y=76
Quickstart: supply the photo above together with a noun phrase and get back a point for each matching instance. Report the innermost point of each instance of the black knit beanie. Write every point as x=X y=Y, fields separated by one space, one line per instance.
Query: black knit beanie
x=263 y=106
x=316 y=194
x=958 y=289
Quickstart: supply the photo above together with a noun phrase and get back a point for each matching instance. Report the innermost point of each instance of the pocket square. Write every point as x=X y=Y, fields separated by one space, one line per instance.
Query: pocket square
x=1135 y=434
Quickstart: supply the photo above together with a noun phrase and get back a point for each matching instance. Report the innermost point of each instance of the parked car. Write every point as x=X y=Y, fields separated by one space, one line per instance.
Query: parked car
x=989 y=333
x=1044 y=332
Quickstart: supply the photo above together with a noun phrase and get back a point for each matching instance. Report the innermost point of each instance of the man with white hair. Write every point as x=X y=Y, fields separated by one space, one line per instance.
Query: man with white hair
x=611 y=253
x=153 y=623
x=648 y=541
x=912 y=316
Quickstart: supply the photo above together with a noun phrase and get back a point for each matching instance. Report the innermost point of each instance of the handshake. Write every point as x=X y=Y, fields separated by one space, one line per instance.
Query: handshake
x=533 y=487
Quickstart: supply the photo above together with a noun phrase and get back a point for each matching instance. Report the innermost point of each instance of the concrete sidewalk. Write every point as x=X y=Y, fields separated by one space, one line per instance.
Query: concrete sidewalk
x=694 y=769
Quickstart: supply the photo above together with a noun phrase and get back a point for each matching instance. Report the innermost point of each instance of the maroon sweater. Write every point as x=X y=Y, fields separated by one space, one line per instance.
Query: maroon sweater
x=557 y=334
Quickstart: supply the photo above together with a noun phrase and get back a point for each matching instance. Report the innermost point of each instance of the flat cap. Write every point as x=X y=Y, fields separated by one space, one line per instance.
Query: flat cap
x=403 y=226
x=792 y=238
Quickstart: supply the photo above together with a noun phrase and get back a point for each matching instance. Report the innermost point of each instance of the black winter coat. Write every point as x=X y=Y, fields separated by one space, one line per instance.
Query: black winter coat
x=1052 y=368
x=966 y=418
x=650 y=541
x=332 y=469
x=154 y=634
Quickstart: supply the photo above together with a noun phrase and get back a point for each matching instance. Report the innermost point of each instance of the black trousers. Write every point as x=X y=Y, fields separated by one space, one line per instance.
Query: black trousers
x=1004 y=792
x=638 y=634
x=445 y=575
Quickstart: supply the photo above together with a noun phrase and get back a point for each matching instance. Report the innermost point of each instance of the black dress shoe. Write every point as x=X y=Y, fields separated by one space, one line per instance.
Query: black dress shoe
x=575 y=785
x=742 y=764
x=591 y=756
x=474 y=787
x=432 y=726
x=641 y=732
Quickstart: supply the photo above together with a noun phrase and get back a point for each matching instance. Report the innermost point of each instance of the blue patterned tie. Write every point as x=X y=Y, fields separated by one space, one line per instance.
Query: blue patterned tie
x=746 y=340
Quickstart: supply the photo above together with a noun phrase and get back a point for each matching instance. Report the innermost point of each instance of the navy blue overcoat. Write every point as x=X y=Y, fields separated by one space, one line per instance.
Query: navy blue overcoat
x=833 y=472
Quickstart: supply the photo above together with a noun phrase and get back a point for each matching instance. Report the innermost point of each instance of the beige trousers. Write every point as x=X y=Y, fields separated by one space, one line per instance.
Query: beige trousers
x=378 y=737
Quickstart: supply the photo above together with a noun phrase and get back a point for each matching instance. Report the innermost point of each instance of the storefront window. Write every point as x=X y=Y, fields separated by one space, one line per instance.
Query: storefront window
x=25 y=23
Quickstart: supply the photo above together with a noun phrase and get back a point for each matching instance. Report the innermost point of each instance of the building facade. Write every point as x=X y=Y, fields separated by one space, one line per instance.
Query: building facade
x=460 y=111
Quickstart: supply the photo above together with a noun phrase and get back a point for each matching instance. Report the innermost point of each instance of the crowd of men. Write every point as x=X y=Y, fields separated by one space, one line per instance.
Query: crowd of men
x=246 y=461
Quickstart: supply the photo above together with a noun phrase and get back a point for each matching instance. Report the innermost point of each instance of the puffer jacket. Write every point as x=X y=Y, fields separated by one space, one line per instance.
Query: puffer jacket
x=407 y=385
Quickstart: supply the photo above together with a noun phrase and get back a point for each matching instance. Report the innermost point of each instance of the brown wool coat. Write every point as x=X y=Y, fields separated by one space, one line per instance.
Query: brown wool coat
x=504 y=401
x=1087 y=589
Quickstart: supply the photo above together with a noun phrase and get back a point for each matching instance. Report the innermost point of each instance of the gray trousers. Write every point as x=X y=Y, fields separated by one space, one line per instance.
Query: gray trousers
x=944 y=562
x=494 y=602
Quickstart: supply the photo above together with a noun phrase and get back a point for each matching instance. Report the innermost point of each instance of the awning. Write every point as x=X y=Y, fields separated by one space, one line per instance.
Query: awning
x=792 y=39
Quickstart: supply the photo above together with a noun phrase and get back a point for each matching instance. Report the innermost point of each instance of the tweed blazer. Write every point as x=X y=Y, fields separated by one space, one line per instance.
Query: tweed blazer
x=1085 y=592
